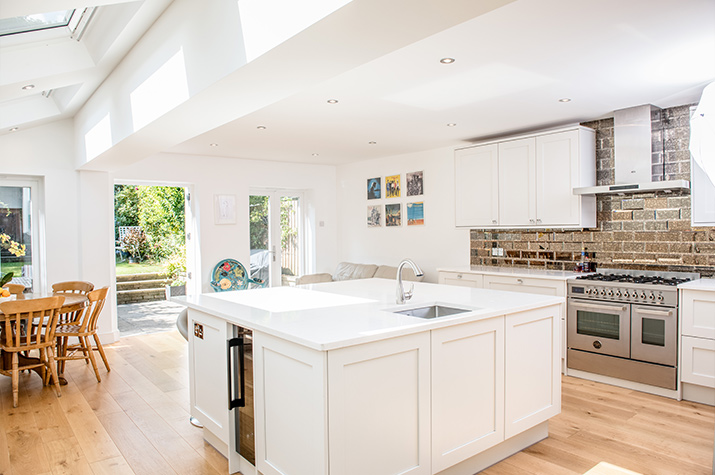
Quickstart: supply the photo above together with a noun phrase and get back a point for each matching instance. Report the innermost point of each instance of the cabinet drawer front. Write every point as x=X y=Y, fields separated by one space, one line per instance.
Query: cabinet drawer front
x=698 y=313
x=698 y=360
x=526 y=285
x=461 y=279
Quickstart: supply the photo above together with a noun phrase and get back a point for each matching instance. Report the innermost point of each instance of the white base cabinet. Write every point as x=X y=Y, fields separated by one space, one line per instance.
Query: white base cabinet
x=697 y=345
x=416 y=404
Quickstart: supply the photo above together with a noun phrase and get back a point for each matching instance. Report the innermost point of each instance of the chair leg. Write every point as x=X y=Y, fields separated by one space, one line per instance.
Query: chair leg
x=85 y=349
x=15 y=378
x=85 y=344
x=101 y=352
x=51 y=364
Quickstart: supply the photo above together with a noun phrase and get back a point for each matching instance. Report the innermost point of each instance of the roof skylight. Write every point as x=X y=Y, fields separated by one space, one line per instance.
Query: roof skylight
x=40 y=21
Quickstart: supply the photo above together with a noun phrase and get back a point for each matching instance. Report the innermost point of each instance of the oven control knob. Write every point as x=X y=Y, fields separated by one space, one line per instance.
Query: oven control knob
x=602 y=292
x=660 y=297
x=587 y=291
x=626 y=294
x=651 y=296
x=642 y=295
x=597 y=344
x=618 y=293
x=610 y=293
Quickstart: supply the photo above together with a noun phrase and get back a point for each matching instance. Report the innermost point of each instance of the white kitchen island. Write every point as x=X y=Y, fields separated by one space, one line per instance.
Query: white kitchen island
x=343 y=385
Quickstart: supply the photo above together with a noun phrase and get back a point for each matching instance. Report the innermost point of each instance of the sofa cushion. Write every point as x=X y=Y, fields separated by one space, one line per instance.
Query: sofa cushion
x=390 y=272
x=313 y=279
x=349 y=271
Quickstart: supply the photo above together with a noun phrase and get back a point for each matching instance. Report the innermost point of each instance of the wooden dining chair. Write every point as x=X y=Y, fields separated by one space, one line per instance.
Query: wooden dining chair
x=18 y=337
x=82 y=329
x=14 y=289
x=72 y=287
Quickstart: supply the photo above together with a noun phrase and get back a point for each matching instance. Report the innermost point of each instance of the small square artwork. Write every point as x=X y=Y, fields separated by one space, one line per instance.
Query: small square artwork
x=393 y=215
x=225 y=209
x=415 y=184
x=374 y=216
x=415 y=214
x=374 y=188
x=392 y=186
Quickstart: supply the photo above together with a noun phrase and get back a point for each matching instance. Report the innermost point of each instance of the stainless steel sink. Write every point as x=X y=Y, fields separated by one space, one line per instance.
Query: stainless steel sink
x=432 y=311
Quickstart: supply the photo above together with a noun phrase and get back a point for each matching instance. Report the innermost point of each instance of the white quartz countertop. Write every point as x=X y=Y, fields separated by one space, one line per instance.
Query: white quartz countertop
x=699 y=284
x=514 y=272
x=338 y=314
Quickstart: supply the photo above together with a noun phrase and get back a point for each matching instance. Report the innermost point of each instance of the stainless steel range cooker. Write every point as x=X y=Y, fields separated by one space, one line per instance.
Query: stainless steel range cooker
x=624 y=324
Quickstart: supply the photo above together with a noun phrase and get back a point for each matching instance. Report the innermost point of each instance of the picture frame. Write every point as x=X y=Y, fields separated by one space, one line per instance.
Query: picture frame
x=224 y=209
x=393 y=214
x=392 y=186
x=374 y=216
x=416 y=214
x=415 y=183
x=374 y=188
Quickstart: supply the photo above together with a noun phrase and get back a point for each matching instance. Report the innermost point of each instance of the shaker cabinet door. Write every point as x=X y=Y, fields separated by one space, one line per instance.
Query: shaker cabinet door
x=516 y=183
x=476 y=186
x=556 y=175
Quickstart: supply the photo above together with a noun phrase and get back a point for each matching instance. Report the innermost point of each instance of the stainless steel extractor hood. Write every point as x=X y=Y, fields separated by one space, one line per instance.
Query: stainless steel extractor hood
x=632 y=149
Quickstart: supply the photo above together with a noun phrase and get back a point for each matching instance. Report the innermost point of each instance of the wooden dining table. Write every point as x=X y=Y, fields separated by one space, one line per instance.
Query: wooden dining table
x=73 y=303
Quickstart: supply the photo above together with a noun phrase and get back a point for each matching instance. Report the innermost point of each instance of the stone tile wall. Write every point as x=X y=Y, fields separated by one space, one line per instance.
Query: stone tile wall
x=649 y=231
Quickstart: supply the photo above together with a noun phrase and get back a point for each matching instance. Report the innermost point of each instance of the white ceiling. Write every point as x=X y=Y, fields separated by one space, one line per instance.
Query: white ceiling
x=512 y=66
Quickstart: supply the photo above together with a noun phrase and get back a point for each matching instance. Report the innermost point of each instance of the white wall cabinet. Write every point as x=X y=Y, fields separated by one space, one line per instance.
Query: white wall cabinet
x=532 y=178
x=477 y=180
x=697 y=359
x=702 y=197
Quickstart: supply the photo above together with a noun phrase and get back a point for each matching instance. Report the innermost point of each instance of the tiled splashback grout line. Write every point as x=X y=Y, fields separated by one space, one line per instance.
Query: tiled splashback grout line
x=634 y=231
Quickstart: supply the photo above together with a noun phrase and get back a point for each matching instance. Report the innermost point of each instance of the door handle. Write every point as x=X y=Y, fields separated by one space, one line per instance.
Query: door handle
x=599 y=307
x=660 y=313
x=240 y=401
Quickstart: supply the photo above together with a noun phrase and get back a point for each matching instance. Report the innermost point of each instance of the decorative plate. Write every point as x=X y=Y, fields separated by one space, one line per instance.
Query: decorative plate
x=229 y=274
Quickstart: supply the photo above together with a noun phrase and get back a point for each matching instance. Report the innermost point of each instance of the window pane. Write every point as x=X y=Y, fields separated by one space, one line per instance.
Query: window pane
x=259 y=236
x=40 y=21
x=290 y=246
x=16 y=234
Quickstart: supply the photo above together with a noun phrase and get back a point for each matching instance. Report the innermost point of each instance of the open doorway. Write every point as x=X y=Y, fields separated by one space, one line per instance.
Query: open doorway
x=150 y=255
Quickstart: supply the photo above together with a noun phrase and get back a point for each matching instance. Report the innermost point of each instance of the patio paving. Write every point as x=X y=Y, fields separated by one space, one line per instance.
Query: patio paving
x=147 y=317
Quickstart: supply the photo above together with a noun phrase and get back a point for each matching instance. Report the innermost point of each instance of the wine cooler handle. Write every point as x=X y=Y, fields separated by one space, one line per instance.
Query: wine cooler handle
x=241 y=400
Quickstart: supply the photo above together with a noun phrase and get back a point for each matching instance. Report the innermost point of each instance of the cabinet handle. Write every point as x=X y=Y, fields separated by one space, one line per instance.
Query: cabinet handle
x=494 y=221
x=538 y=221
x=531 y=221
x=459 y=276
x=519 y=281
x=240 y=401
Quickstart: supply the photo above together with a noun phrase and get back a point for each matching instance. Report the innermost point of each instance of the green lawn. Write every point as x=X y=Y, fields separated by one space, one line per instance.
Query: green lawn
x=15 y=267
x=124 y=268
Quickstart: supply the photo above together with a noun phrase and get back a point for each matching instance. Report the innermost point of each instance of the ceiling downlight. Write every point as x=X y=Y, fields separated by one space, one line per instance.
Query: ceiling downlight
x=447 y=60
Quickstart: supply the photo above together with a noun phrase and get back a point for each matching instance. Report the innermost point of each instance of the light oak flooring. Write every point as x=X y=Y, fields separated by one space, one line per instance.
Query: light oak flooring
x=136 y=421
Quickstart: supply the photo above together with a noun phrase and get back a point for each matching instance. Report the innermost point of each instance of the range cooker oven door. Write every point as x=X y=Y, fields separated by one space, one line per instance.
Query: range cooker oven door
x=654 y=334
x=597 y=327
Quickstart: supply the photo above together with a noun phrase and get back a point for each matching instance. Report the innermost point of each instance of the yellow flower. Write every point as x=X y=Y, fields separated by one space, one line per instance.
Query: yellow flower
x=15 y=248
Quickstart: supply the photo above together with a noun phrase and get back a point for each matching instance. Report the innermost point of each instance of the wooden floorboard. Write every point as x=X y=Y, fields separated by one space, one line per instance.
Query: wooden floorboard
x=136 y=422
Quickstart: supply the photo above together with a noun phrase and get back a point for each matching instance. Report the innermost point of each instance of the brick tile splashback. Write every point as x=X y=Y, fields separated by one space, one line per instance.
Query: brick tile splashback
x=649 y=231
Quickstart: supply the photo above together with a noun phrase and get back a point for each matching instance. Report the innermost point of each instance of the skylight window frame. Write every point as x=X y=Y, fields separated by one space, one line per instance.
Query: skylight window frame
x=71 y=24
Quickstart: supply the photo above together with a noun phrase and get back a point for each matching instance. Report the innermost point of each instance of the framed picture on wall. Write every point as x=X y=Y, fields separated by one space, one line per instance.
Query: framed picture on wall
x=392 y=186
x=374 y=188
x=225 y=209
x=374 y=216
x=416 y=214
x=415 y=184
x=393 y=214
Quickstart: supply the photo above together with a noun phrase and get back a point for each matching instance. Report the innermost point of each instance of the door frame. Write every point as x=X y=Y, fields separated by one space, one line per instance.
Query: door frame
x=274 y=236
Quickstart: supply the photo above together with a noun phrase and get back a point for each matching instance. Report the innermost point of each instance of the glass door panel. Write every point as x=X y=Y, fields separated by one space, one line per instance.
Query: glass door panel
x=290 y=239
x=260 y=238
x=16 y=228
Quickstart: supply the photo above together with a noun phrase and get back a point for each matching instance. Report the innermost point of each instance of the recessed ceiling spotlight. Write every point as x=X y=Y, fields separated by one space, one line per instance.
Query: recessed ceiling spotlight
x=261 y=127
x=213 y=145
x=332 y=101
x=372 y=143
x=447 y=60
x=28 y=87
x=14 y=129
x=451 y=124
x=564 y=99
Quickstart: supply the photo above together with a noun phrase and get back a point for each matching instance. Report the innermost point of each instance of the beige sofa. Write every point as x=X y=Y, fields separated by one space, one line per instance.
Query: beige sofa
x=350 y=271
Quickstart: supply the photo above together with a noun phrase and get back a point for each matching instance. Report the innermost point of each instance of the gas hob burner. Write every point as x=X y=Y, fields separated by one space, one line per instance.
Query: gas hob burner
x=635 y=279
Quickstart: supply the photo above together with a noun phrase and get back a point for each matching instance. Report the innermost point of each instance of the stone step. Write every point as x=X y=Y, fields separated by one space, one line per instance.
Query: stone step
x=136 y=277
x=143 y=284
x=140 y=295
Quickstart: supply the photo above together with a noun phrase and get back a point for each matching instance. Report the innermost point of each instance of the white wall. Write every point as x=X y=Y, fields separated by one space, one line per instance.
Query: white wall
x=435 y=244
x=76 y=207
x=209 y=176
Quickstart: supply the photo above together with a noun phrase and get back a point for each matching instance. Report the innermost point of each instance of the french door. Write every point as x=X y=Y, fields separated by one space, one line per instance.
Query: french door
x=276 y=236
